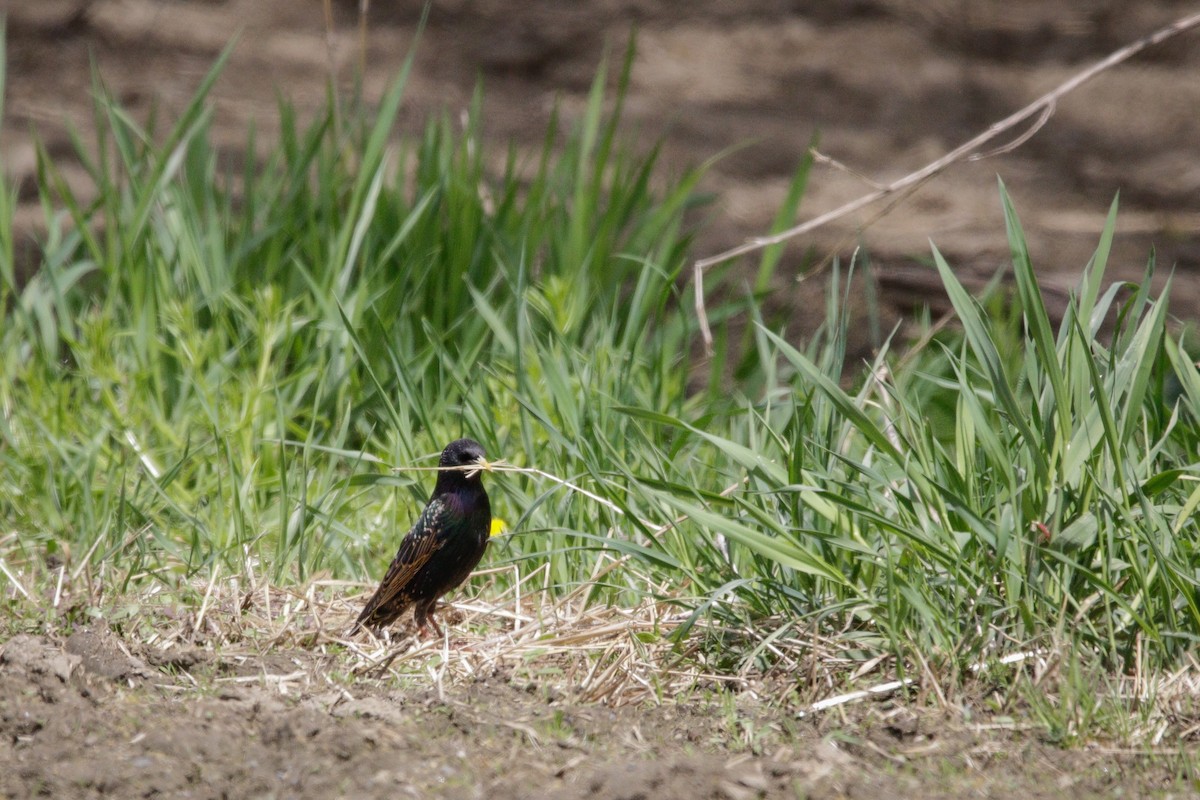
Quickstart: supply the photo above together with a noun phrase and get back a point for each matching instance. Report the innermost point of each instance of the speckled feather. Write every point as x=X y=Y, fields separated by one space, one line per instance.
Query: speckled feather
x=445 y=544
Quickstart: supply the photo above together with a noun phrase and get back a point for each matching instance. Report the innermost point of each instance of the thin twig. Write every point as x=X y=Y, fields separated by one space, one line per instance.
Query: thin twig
x=821 y=158
x=207 y=596
x=62 y=571
x=842 y=699
x=13 y=579
x=1044 y=106
x=1047 y=113
x=501 y=466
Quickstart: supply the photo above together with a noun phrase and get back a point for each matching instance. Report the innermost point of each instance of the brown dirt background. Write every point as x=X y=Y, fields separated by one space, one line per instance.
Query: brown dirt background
x=94 y=715
x=890 y=85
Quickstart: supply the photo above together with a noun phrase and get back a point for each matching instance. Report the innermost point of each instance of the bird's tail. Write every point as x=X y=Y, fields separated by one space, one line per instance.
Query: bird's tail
x=362 y=618
x=379 y=614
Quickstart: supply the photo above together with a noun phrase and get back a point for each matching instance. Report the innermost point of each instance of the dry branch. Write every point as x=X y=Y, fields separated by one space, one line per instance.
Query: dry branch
x=1044 y=107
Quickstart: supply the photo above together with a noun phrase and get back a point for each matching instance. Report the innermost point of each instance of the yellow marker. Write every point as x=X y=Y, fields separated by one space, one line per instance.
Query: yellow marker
x=499 y=526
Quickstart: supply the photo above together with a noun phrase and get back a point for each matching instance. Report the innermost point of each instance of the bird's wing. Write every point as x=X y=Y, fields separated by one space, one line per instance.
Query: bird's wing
x=417 y=548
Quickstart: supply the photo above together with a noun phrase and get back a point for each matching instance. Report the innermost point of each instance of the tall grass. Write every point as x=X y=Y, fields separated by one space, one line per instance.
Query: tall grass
x=1055 y=504
x=204 y=366
x=206 y=369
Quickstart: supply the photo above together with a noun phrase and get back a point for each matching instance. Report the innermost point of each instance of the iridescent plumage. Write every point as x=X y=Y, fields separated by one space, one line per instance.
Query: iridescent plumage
x=444 y=545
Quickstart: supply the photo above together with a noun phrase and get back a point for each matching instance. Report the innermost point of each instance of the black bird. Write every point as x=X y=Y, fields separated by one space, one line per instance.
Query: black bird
x=444 y=545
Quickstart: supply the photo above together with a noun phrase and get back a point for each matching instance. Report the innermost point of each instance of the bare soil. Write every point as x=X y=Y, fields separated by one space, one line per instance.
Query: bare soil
x=94 y=715
x=889 y=85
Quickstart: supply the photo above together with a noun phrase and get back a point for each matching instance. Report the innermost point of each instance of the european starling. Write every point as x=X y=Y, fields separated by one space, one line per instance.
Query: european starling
x=444 y=545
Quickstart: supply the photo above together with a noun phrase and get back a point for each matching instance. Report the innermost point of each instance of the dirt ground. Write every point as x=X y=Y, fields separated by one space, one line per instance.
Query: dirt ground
x=890 y=85
x=94 y=715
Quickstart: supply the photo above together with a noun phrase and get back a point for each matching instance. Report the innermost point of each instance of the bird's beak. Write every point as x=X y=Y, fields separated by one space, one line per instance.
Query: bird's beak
x=483 y=466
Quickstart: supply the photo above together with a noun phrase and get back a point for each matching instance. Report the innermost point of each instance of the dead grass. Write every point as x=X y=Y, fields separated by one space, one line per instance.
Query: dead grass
x=295 y=640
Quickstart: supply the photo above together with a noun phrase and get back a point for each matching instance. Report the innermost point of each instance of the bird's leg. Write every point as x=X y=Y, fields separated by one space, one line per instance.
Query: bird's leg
x=424 y=614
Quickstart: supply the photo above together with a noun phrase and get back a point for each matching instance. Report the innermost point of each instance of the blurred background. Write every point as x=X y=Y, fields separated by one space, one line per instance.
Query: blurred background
x=888 y=85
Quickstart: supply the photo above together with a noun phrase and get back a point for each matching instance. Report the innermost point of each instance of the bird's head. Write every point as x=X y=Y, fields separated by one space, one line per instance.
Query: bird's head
x=461 y=453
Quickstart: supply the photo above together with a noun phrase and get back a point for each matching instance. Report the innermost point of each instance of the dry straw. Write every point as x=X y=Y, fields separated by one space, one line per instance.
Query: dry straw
x=290 y=640
x=502 y=466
